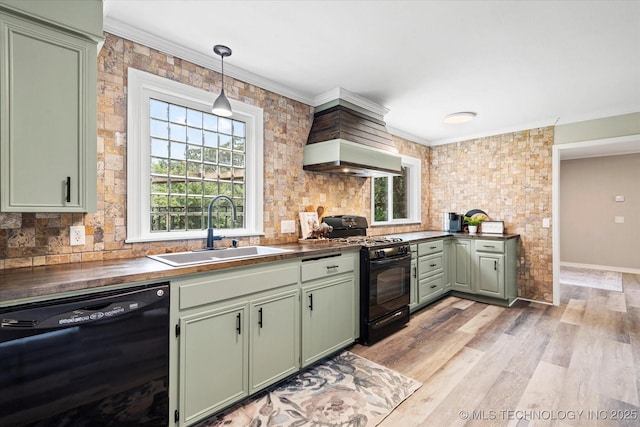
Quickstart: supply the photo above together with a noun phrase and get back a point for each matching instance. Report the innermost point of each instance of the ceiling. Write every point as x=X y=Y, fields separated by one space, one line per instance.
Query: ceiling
x=517 y=64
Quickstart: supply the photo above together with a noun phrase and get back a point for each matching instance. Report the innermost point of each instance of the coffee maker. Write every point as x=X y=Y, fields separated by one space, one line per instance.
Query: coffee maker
x=451 y=222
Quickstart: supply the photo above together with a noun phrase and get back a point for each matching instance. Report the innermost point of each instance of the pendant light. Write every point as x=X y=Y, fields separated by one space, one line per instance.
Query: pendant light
x=222 y=107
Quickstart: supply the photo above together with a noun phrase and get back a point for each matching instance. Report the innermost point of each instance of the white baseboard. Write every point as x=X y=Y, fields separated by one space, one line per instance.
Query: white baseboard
x=600 y=267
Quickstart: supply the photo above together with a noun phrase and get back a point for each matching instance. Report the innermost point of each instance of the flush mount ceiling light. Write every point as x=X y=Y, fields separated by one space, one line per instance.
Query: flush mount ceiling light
x=461 y=117
x=222 y=107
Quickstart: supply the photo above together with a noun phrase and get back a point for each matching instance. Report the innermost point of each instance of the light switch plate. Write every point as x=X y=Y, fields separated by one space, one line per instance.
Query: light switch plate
x=619 y=198
x=288 y=226
x=76 y=235
x=546 y=223
x=619 y=220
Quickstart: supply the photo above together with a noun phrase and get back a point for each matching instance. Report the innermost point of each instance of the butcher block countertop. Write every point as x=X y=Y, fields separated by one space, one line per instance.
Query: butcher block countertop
x=25 y=284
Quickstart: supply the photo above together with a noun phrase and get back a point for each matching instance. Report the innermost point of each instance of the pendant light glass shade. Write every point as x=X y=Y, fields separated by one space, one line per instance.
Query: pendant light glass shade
x=222 y=107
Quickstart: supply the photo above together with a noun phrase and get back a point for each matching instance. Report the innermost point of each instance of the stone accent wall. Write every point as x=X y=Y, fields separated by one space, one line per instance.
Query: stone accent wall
x=31 y=239
x=509 y=177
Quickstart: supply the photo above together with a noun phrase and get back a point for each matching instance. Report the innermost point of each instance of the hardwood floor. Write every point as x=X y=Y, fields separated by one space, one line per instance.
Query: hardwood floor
x=577 y=364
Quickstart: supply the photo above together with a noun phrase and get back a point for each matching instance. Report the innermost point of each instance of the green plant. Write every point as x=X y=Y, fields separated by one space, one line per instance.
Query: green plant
x=474 y=220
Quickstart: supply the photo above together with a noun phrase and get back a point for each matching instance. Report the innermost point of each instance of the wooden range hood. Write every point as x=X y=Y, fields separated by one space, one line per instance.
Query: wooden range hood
x=345 y=139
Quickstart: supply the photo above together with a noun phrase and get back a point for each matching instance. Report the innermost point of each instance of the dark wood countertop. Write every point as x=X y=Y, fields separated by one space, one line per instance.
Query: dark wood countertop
x=37 y=282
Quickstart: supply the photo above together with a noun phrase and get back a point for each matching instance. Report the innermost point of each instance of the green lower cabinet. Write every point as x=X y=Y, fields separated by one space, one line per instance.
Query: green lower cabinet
x=328 y=317
x=213 y=361
x=275 y=345
x=432 y=268
x=240 y=330
x=489 y=277
x=481 y=269
x=231 y=352
x=461 y=265
x=485 y=269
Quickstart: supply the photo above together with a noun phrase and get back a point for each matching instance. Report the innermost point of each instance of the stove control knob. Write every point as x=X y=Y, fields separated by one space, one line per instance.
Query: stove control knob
x=402 y=250
x=380 y=254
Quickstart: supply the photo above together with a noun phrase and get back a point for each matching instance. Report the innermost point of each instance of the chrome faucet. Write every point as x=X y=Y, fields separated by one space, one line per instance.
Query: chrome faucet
x=210 y=237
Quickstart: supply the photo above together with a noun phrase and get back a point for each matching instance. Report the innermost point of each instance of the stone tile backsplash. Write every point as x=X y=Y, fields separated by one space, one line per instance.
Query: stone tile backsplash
x=508 y=175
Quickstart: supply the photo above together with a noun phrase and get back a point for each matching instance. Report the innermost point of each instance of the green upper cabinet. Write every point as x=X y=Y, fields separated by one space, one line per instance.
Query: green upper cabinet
x=48 y=117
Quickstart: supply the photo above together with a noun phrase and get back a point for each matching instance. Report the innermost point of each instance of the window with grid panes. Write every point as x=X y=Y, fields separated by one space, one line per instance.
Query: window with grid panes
x=180 y=156
x=195 y=156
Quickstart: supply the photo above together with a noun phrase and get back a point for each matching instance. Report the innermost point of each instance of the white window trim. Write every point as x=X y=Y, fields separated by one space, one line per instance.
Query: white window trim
x=141 y=87
x=414 y=166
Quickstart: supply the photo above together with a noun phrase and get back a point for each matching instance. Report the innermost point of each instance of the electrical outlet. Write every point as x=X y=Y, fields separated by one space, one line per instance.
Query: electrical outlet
x=76 y=235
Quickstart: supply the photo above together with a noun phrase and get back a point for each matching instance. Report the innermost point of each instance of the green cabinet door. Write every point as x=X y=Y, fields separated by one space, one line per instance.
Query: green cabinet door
x=47 y=118
x=275 y=344
x=489 y=279
x=213 y=361
x=328 y=317
x=447 y=264
x=413 y=285
x=461 y=271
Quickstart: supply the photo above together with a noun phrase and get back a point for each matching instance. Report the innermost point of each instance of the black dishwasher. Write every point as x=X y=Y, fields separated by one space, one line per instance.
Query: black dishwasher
x=95 y=360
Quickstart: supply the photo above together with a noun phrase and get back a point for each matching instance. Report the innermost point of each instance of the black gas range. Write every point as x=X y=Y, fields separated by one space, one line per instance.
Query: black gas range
x=385 y=277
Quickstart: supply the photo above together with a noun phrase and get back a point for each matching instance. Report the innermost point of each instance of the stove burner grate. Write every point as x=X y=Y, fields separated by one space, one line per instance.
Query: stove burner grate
x=370 y=240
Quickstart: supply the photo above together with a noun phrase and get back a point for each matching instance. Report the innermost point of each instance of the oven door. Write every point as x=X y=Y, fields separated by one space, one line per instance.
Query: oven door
x=389 y=284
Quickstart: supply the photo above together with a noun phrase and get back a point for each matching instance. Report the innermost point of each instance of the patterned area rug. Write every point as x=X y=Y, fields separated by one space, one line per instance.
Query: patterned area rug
x=346 y=390
x=600 y=279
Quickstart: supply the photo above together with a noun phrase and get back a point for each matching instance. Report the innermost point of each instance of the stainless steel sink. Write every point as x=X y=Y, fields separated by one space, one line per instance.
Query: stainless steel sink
x=203 y=257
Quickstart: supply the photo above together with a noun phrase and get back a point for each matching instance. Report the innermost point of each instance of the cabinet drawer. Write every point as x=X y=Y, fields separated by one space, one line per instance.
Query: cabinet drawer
x=431 y=287
x=326 y=267
x=495 y=246
x=213 y=287
x=431 y=247
x=430 y=265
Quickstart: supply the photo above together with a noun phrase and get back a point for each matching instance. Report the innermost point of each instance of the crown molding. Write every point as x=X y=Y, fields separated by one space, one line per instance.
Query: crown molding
x=129 y=32
x=355 y=99
x=408 y=136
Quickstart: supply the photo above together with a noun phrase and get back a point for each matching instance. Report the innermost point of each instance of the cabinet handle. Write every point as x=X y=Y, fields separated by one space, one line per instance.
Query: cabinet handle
x=332 y=267
x=238 y=324
x=311 y=302
x=488 y=246
x=415 y=271
x=68 y=189
x=495 y=265
x=433 y=247
x=432 y=265
x=260 y=317
x=434 y=286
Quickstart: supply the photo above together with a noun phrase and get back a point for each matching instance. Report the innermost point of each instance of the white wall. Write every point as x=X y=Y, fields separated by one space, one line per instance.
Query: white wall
x=588 y=231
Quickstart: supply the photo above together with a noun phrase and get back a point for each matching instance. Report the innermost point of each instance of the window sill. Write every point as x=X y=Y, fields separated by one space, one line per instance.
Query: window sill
x=201 y=236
